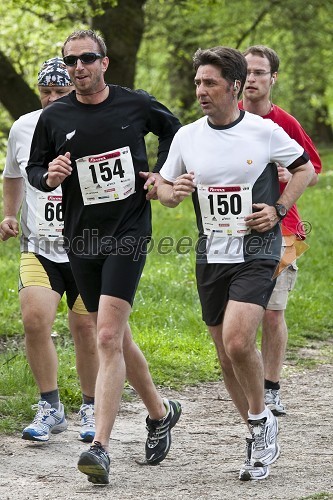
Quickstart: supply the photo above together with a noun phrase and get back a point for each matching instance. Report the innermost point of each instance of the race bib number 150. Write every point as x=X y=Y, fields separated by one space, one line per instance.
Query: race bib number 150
x=223 y=209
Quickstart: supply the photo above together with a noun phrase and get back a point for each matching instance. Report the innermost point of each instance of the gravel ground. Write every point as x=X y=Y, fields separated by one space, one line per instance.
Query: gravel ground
x=206 y=454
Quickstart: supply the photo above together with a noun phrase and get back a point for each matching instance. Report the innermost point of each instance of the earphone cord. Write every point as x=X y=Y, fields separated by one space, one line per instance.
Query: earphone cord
x=94 y=92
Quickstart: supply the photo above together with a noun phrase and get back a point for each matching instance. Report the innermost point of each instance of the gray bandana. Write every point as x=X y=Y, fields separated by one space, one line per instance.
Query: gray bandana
x=53 y=73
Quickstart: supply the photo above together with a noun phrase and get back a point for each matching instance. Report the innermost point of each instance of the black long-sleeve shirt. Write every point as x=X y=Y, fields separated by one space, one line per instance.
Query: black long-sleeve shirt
x=123 y=119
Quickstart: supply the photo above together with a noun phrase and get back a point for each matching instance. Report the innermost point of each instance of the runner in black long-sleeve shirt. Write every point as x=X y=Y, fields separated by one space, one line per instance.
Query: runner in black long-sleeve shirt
x=92 y=143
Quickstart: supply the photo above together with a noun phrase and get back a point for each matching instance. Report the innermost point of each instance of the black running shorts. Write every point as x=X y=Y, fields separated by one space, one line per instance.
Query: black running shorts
x=116 y=275
x=250 y=281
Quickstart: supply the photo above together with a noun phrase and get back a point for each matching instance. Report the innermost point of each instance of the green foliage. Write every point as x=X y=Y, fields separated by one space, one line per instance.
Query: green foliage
x=174 y=30
x=5 y=124
x=48 y=28
x=17 y=391
x=309 y=308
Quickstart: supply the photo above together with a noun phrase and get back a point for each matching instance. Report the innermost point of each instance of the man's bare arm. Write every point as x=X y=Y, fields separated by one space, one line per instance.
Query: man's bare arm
x=171 y=194
x=13 y=192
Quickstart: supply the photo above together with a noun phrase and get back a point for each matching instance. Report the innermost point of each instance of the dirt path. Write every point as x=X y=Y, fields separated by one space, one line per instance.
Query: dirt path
x=203 y=463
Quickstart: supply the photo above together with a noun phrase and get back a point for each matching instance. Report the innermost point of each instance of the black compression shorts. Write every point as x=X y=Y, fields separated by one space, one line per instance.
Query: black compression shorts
x=116 y=275
x=250 y=282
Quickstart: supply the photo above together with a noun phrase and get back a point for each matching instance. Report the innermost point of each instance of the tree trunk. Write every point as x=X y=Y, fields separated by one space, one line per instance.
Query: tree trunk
x=122 y=29
x=322 y=130
x=15 y=94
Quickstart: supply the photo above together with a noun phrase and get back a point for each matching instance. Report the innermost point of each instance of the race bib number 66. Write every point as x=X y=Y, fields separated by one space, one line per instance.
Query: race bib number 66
x=223 y=209
x=106 y=177
x=49 y=216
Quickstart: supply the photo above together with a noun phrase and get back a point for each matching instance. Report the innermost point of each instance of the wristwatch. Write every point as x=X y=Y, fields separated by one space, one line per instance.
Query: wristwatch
x=281 y=210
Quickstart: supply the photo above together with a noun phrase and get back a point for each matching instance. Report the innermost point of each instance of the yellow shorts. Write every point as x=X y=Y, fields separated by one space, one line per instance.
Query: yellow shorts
x=36 y=270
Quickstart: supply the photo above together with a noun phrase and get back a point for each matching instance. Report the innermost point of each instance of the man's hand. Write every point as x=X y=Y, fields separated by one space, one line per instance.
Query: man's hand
x=183 y=186
x=171 y=194
x=151 y=184
x=9 y=228
x=58 y=170
x=284 y=175
x=263 y=219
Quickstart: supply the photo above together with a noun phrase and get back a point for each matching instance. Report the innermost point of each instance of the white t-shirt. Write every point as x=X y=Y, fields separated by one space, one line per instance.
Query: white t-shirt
x=234 y=167
x=41 y=214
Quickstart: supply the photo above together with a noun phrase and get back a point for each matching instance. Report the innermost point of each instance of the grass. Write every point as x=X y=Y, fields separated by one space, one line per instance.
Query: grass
x=308 y=313
x=166 y=319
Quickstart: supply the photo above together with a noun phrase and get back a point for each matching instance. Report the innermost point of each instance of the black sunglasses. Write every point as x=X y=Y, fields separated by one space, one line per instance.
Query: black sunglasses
x=86 y=58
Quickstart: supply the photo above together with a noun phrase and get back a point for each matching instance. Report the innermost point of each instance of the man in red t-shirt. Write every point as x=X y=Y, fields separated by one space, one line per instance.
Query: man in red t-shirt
x=263 y=65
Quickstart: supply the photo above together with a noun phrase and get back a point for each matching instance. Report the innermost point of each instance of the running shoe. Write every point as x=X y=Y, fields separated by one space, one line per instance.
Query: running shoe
x=249 y=472
x=47 y=421
x=95 y=463
x=87 y=418
x=265 y=447
x=273 y=401
x=159 y=433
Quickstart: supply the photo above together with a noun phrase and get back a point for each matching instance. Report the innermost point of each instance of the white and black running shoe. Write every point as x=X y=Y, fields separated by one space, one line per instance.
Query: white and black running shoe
x=273 y=401
x=249 y=472
x=159 y=433
x=95 y=463
x=265 y=447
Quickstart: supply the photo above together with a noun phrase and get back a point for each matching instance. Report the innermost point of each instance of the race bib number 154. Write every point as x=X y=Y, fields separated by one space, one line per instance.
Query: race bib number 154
x=106 y=177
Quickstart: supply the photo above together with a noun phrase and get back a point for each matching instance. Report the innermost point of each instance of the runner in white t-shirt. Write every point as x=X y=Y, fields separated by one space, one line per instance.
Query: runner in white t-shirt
x=45 y=272
x=226 y=160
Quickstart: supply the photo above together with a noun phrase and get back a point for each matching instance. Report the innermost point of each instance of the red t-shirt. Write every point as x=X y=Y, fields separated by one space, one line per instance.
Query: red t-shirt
x=292 y=222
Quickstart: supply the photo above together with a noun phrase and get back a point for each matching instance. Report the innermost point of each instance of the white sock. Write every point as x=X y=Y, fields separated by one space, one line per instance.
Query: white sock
x=261 y=415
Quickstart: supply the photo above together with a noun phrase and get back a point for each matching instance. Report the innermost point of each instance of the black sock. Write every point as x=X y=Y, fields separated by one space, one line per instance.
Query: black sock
x=52 y=397
x=272 y=385
x=88 y=400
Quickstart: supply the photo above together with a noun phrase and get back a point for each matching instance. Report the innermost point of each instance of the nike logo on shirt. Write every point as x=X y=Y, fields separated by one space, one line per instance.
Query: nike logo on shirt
x=70 y=135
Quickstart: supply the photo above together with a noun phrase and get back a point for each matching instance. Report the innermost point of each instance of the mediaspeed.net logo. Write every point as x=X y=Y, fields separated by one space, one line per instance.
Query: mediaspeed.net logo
x=294 y=247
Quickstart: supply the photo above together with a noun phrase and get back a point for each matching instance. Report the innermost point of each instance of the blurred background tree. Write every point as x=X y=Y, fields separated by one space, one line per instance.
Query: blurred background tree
x=151 y=44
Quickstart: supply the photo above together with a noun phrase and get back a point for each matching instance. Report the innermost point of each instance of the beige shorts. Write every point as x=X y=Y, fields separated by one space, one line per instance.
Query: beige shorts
x=285 y=282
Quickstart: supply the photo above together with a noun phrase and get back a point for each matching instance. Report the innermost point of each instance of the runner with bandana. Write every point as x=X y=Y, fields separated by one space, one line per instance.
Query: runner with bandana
x=45 y=273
